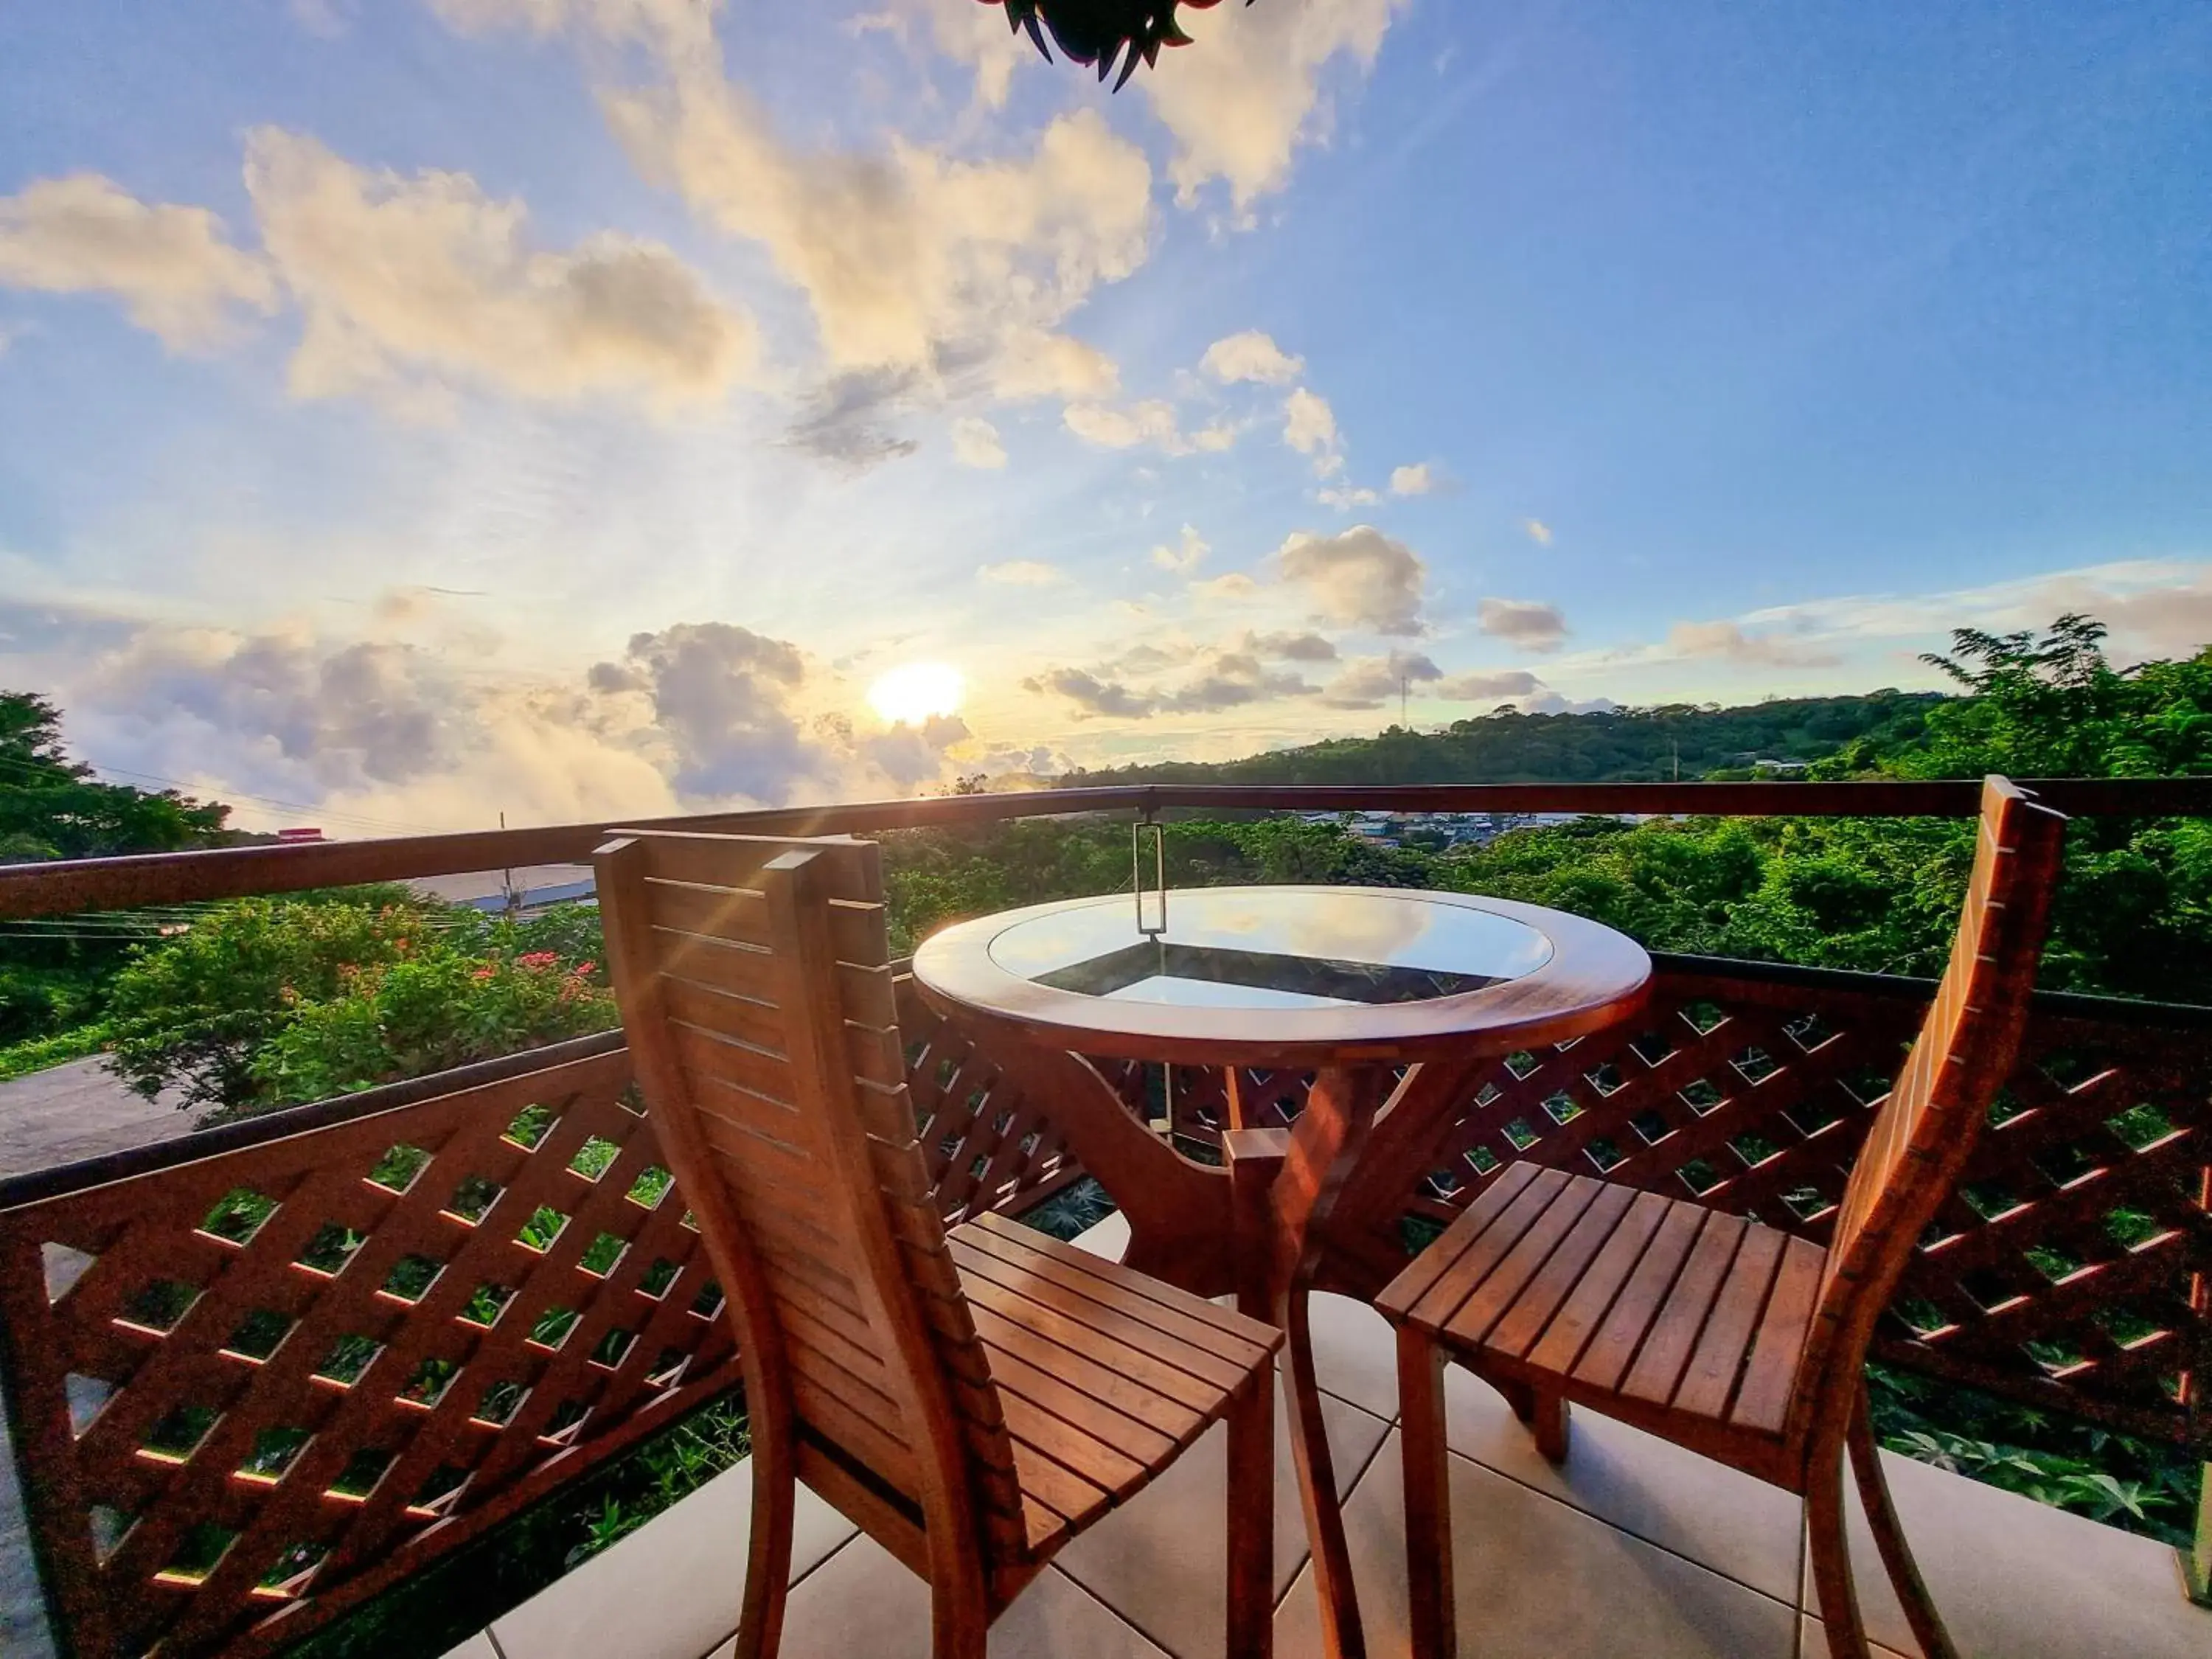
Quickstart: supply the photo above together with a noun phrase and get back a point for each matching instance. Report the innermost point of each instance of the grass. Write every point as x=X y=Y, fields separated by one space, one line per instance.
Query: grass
x=42 y=1054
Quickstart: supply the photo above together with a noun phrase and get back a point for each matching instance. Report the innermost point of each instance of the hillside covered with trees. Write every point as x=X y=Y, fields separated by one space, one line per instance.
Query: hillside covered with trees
x=1627 y=746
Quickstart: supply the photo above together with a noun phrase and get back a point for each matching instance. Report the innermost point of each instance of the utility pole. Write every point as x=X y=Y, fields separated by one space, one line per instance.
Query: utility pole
x=1404 y=683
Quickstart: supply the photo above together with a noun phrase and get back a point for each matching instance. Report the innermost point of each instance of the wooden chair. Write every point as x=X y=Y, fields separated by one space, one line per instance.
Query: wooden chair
x=1735 y=1339
x=969 y=1401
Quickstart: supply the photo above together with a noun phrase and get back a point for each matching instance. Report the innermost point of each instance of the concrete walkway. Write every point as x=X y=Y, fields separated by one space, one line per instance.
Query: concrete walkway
x=76 y=1111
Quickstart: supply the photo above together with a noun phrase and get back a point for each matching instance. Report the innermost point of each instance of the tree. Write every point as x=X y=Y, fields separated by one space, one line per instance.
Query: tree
x=1099 y=31
x=52 y=808
x=54 y=978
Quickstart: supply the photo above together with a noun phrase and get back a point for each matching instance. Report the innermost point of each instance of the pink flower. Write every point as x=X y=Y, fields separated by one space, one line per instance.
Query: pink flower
x=485 y=972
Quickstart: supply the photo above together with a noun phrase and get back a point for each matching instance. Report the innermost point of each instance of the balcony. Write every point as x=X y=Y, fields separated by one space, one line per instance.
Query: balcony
x=259 y=1376
x=1700 y=1562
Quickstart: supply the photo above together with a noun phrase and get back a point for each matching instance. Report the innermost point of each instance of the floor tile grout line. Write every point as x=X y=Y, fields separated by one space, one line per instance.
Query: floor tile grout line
x=1366 y=1465
x=1113 y=1612
x=730 y=1634
x=1626 y=1532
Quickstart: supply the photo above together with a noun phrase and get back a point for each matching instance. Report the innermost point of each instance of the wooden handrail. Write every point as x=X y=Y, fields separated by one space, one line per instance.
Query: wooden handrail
x=61 y=887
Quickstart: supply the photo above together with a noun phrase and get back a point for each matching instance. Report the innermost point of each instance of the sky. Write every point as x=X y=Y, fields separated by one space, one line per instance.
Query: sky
x=416 y=411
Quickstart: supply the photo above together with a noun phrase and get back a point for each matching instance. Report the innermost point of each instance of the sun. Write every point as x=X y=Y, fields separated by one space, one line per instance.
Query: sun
x=917 y=691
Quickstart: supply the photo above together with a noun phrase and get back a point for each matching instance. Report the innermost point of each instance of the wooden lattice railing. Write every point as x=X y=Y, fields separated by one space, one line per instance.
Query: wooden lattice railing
x=251 y=1388
x=2074 y=1267
x=257 y=1376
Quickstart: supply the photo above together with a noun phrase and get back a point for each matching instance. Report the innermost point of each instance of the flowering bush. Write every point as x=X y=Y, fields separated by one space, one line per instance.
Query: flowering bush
x=429 y=1013
x=270 y=1002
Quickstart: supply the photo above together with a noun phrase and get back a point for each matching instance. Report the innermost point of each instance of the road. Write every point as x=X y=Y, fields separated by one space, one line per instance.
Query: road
x=76 y=1112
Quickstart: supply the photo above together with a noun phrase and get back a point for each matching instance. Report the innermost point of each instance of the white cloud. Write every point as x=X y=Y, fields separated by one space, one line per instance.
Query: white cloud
x=1310 y=428
x=1488 y=685
x=1344 y=497
x=1225 y=680
x=1185 y=556
x=408 y=284
x=1234 y=585
x=1022 y=573
x=1728 y=640
x=176 y=275
x=1537 y=532
x=1241 y=100
x=1532 y=626
x=1033 y=363
x=1250 y=355
x=975 y=443
x=1360 y=578
x=1290 y=647
x=914 y=256
x=1154 y=421
x=1369 y=682
x=1415 y=480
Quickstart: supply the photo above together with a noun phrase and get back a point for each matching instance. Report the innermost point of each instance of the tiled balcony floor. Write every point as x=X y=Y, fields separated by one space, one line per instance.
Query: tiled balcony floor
x=1633 y=1547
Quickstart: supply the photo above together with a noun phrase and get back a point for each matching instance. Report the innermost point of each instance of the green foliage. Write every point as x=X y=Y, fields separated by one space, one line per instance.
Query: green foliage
x=2062 y=1462
x=38 y=1054
x=267 y=1002
x=431 y=1612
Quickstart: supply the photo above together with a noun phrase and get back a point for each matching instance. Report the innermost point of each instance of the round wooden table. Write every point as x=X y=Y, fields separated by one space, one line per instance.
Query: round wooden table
x=1392 y=999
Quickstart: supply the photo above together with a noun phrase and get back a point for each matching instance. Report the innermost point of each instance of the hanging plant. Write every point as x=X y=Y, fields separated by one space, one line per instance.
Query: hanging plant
x=1100 y=31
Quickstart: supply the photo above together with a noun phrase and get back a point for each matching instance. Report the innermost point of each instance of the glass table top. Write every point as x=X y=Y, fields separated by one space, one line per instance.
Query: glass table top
x=1236 y=947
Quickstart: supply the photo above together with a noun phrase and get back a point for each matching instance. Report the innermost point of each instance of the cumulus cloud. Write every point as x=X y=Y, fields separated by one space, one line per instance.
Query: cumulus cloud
x=1232 y=585
x=1728 y=640
x=1185 y=556
x=1032 y=363
x=906 y=258
x=1360 y=578
x=1224 y=679
x=1241 y=102
x=1310 y=428
x=1290 y=648
x=1251 y=355
x=975 y=443
x=1092 y=696
x=1369 y=682
x=1150 y=422
x=1346 y=498
x=1021 y=573
x=175 y=273
x=725 y=696
x=1417 y=479
x=1537 y=532
x=406 y=283
x=1531 y=626
x=911 y=755
x=1153 y=422
x=1486 y=685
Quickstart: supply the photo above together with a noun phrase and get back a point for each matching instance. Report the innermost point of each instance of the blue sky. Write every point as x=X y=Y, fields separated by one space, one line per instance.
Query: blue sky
x=416 y=410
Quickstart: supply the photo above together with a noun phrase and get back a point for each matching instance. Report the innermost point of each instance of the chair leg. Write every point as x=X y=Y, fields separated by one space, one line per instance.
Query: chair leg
x=1889 y=1536
x=1829 y=1545
x=1342 y=1636
x=1252 y=1519
x=767 y=1556
x=1549 y=1424
x=1428 y=1496
x=959 y=1622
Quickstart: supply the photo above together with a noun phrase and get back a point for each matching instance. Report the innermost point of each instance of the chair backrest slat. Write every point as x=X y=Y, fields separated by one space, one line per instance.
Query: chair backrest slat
x=1934 y=1111
x=754 y=980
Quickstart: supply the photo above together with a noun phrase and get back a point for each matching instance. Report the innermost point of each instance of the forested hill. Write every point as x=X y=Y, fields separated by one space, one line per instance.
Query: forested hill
x=1630 y=745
